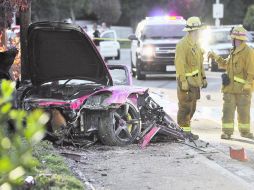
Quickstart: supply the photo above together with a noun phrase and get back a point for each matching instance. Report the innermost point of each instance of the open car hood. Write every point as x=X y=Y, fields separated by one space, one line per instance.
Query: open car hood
x=59 y=51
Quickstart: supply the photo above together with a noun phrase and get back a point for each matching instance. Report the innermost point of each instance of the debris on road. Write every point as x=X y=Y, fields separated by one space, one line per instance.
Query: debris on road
x=238 y=154
x=208 y=97
x=157 y=121
x=73 y=156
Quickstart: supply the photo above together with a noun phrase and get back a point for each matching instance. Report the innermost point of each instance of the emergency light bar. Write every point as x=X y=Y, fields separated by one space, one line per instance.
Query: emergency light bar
x=165 y=18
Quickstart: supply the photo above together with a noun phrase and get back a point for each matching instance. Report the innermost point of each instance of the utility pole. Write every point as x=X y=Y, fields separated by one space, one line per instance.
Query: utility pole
x=218 y=12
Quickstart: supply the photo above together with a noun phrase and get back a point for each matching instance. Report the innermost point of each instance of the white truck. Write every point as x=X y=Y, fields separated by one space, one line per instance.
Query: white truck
x=153 y=45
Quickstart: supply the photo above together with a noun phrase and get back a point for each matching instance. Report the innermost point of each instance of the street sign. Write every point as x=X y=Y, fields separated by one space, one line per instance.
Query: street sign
x=218 y=10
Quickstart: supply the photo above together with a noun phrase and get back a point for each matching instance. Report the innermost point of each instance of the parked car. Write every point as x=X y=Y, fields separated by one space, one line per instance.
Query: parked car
x=109 y=46
x=66 y=76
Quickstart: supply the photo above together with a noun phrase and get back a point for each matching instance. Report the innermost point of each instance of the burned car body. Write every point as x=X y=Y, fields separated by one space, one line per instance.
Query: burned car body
x=66 y=76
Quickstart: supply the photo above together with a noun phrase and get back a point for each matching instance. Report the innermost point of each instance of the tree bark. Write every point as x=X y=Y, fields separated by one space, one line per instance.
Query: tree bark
x=25 y=20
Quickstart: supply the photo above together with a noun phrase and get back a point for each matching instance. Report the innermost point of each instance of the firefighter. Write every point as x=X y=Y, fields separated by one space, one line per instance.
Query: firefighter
x=190 y=74
x=237 y=84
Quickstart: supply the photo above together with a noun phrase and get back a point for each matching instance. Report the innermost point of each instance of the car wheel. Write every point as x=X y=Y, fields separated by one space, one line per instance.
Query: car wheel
x=120 y=127
x=139 y=76
x=118 y=55
x=214 y=67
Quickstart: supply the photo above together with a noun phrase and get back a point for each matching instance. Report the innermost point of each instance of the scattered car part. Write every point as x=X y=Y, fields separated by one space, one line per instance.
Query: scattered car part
x=158 y=121
x=238 y=154
x=71 y=155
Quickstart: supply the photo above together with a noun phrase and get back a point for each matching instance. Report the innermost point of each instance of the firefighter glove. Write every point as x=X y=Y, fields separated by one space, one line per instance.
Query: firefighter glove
x=212 y=55
x=184 y=85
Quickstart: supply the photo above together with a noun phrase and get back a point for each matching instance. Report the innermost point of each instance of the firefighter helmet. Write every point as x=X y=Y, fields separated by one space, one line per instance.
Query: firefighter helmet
x=193 y=23
x=239 y=33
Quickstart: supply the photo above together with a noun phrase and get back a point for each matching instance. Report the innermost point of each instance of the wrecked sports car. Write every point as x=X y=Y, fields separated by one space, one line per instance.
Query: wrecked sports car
x=86 y=99
x=66 y=76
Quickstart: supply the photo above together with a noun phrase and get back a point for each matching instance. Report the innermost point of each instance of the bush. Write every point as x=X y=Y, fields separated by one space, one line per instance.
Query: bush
x=249 y=18
x=19 y=132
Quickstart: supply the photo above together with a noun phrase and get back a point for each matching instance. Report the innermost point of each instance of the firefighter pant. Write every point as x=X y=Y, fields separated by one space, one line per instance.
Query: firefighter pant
x=186 y=107
x=241 y=103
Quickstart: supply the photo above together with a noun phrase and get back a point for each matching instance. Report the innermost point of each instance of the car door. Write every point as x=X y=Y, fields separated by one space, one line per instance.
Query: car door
x=109 y=46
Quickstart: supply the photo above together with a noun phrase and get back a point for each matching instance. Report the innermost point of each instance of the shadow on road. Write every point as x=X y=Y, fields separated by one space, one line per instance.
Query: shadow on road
x=243 y=141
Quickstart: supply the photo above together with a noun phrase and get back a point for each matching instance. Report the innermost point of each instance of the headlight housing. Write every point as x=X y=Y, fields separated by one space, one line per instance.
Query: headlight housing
x=96 y=100
x=148 y=51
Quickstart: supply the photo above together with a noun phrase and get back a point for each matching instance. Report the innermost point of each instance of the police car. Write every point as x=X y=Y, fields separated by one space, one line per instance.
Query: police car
x=153 y=45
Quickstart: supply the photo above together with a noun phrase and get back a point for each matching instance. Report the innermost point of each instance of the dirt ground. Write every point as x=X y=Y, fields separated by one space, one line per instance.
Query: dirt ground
x=171 y=165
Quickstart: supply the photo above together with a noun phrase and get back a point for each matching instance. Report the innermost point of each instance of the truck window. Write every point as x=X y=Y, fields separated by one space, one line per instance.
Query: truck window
x=164 y=31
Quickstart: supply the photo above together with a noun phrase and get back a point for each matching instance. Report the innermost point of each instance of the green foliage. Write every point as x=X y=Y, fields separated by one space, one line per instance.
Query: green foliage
x=109 y=12
x=56 y=10
x=53 y=173
x=249 y=18
x=16 y=158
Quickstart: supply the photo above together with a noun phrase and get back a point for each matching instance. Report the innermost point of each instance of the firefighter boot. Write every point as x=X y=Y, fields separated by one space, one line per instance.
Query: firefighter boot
x=247 y=135
x=225 y=136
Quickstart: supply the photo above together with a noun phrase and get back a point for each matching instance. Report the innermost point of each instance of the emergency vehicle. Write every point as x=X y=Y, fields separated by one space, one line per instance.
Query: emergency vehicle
x=153 y=45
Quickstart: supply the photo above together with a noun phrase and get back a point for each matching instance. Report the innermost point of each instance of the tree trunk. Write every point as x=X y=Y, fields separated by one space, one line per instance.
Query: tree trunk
x=25 y=20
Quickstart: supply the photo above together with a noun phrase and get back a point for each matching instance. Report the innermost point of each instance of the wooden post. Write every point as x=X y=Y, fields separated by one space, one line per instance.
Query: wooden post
x=25 y=20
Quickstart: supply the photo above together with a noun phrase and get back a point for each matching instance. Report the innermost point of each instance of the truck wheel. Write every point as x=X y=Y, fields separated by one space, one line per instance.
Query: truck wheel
x=120 y=127
x=139 y=76
x=118 y=55
x=214 y=67
x=133 y=72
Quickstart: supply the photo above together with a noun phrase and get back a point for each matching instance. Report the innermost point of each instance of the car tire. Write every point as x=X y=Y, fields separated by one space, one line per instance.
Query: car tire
x=118 y=57
x=113 y=129
x=139 y=76
x=214 y=67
